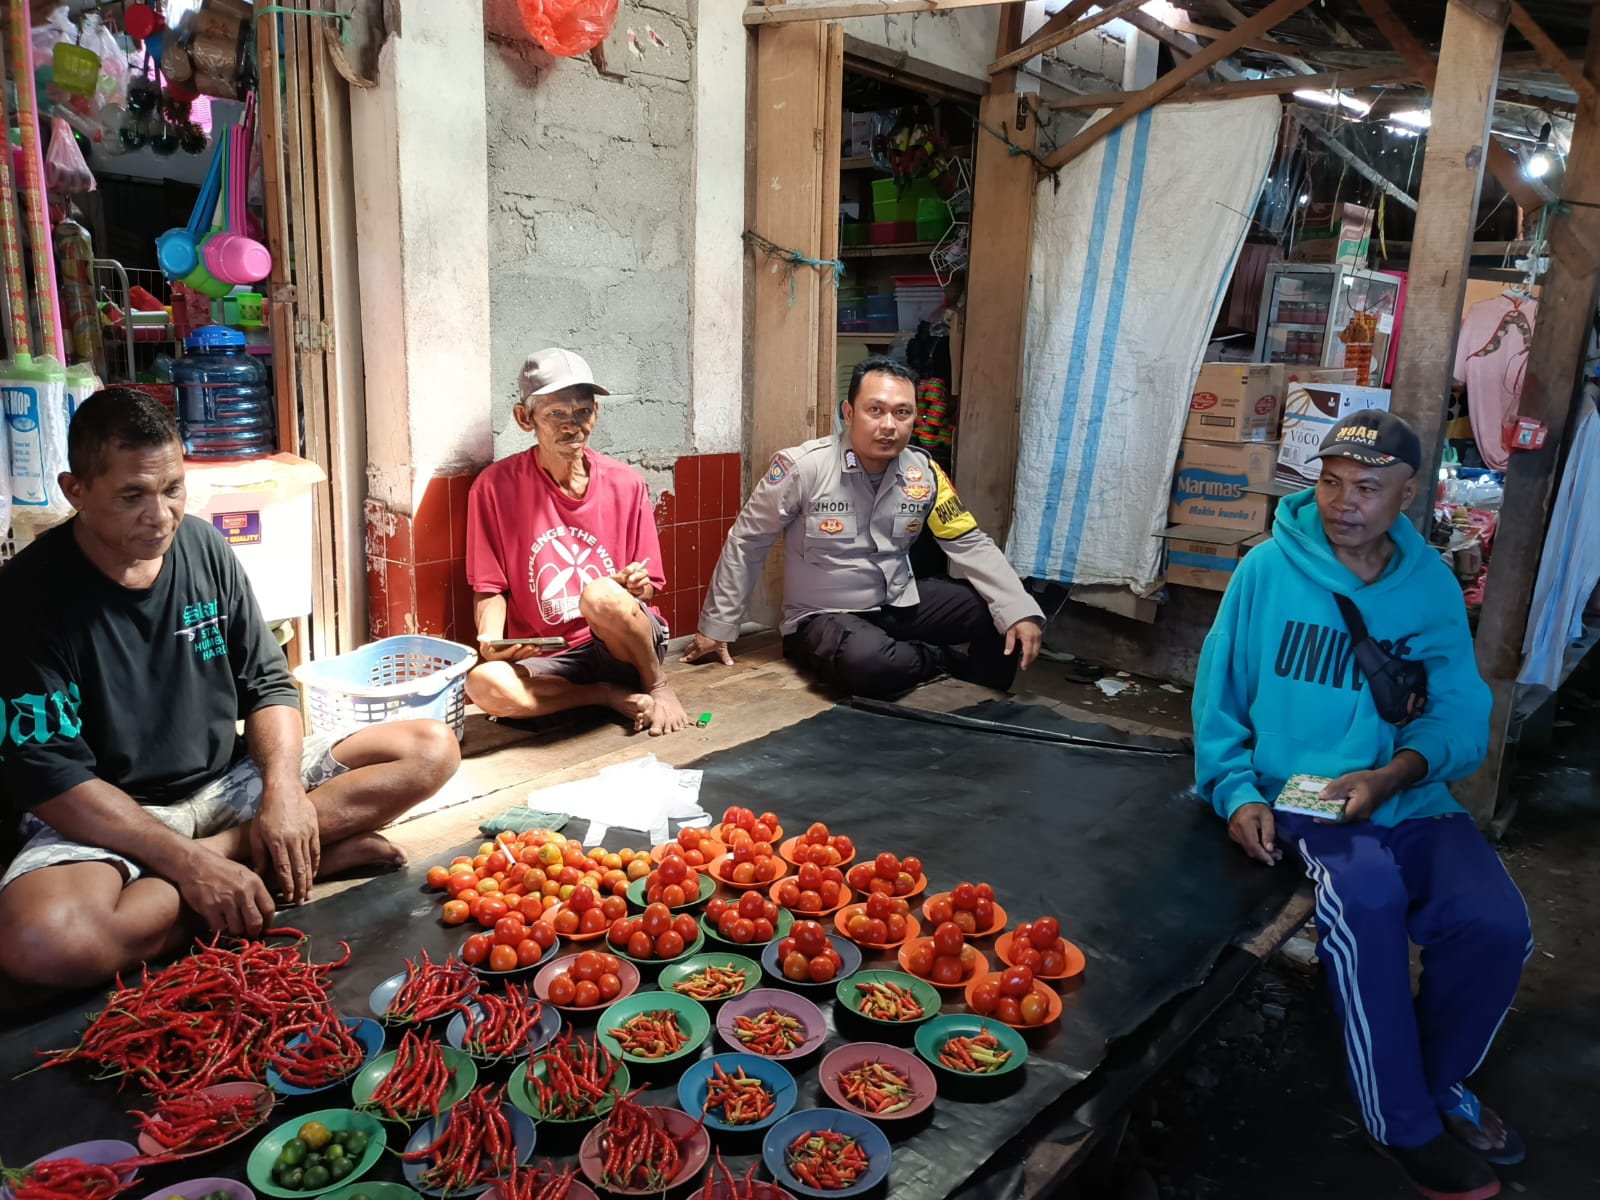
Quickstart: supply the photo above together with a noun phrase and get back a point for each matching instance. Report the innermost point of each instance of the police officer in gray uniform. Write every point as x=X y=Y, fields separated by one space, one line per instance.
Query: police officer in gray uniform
x=851 y=506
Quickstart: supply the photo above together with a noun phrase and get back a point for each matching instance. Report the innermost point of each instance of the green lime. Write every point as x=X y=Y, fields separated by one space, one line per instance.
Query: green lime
x=314 y=1159
x=317 y=1178
x=293 y=1152
x=293 y=1179
x=356 y=1147
x=335 y=1152
x=340 y=1167
x=341 y=1137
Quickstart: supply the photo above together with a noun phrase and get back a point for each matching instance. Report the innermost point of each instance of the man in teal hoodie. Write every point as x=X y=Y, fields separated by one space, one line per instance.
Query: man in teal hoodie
x=1280 y=694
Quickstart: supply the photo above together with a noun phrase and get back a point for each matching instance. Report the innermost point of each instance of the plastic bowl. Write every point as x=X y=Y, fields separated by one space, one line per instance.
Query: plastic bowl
x=841 y=922
x=1075 y=959
x=998 y=924
x=706 y=887
x=848 y=1057
x=680 y=971
x=813 y=1120
x=1051 y=998
x=258 y=1168
x=695 y=1081
x=627 y=974
x=752 y=1004
x=543 y=1033
x=691 y=948
x=374 y=1190
x=981 y=967
x=104 y=1151
x=522 y=1095
x=786 y=851
x=263 y=1101
x=780 y=930
x=932 y=1036
x=693 y=1152
x=463 y=1076
x=523 y=1134
x=849 y=956
x=721 y=869
x=693 y=1021
x=365 y=1030
x=383 y=995
x=926 y=994
x=194 y=1189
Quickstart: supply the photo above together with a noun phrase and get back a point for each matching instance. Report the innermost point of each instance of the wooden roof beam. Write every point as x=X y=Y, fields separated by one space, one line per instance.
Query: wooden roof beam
x=1551 y=55
x=1276 y=85
x=838 y=10
x=1048 y=38
x=1174 y=79
x=1237 y=17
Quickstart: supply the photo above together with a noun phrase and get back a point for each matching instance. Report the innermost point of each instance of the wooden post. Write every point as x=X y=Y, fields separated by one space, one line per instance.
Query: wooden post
x=1452 y=176
x=999 y=267
x=1550 y=393
x=830 y=122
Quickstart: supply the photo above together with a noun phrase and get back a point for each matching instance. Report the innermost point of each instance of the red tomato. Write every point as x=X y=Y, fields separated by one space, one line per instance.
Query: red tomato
x=983 y=914
x=984 y=997
x=752 y=905
x=497 y=863
x=477 y=948
x=822 y=968
x=788 y=893
x=586 y=966
x=809 y=877
x=1016 y=981
x=1020 y=935
x=787 y=946
x=797 y=967
x=672 y=895
x=1045 y=932
x=566 y=921
x=673 y=869
x=947 y=939
x=528 y=952
x=544 y=933
x=896 y=928
x=612 y=964
x=592 y=921
x=438 y=877
x=490 y=910
x=455 y=912
x=669 y=944
x=764 y=930
x=508 y=931
x=860 y=876
x=886 y=866
x=717 y=907
x=946 y=970
x=1052 y=962
x=964 y=896
x=809 y=938
x=582 y=899
x=743 y=931
x=503 y=958
x=1033 y=1007
x=940 y=909
x=641 y=944
x=830 y=893
x=686 y=927
x=879 y=905
x=912 y=866
x=920 y=960
x=809 y=902
x=609 y=986
x=1027 y=957
x=460 y=882
x=657 y=920
x=587 y=994
x=1008 y=1010
x=985 y=891
x=965 y=922
x=878 y=931
x=563 y=989
x=730 y=918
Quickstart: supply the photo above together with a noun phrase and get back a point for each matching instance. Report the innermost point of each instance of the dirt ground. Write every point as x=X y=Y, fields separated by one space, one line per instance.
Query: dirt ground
x=1259 y=1110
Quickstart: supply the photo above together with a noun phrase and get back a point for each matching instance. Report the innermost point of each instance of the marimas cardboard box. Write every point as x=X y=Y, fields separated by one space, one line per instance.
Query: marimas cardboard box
x=1313 y=409
x=1198 y=557
x=1224 y=485
x=1236 y=402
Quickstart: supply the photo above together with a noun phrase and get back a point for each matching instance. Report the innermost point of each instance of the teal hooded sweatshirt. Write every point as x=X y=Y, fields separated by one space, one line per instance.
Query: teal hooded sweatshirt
x=1278 y=692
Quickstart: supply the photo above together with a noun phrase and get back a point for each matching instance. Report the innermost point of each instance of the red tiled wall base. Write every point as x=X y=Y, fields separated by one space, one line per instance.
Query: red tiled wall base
x=416 y=566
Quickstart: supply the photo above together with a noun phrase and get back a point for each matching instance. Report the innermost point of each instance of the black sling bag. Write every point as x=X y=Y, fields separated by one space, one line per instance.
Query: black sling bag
x=1399 y=685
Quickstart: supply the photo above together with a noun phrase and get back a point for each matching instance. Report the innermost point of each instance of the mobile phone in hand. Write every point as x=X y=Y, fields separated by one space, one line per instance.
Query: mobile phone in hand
x=545 y=645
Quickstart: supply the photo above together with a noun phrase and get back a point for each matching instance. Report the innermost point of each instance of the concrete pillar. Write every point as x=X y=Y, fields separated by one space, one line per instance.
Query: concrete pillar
x=421 y=188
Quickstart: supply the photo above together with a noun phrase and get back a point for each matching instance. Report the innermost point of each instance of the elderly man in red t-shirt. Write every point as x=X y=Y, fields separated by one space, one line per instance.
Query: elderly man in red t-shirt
x=561 y=544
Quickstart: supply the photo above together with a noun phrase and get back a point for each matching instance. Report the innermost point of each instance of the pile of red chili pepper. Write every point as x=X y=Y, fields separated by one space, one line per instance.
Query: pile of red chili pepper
x=730 y=1188
x=543 y=1182
x=877 y=1089
x=220 y=1015
x=432 y=990
x=713 y=983
x=577 y=1078
x=196 y=1121
x=742 y=1099
x=498 y=1026
x=418 y=1081
x=329 y=1054
x=651 y=1034
x=827 y=1159
x=979 y=1055
x=68 y=1179
x=639 y=1151
x=771 y=1032
x=474 y=1146
x=887 y=1001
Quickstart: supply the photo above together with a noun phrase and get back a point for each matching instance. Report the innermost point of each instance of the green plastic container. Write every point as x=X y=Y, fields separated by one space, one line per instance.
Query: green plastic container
x=933 y=219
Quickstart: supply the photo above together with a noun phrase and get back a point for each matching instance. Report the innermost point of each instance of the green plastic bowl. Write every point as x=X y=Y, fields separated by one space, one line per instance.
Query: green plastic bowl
x=680 y=969
x=926 y=995
x=932 y=1036
x=780 y=930
x=707 y=886
x=693 y=1020
x=259 y=1166
x=373 y=1191
x=688 y=950
x=464 y=1074
x=522 y=1096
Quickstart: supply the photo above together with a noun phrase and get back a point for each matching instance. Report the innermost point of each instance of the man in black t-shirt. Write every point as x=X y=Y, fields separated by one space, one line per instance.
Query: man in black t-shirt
x=135 y=648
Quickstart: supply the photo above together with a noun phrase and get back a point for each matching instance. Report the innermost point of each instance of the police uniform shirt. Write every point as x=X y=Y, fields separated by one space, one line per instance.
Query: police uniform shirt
x=848 y=542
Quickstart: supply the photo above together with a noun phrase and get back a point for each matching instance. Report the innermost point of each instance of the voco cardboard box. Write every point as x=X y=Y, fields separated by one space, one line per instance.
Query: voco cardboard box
x=1236 y=402
x=1312 y=410
x=1198 y=557
x=1224 y=485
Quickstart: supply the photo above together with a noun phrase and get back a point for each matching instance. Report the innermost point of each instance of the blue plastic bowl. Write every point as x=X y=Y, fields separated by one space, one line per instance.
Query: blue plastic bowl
x=776 y=1144
x=694 y=1082
x=522 y=1133
x=366 y=1031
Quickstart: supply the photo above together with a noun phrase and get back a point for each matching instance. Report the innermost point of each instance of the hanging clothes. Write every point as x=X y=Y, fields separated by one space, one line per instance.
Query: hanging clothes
x=1491 y=359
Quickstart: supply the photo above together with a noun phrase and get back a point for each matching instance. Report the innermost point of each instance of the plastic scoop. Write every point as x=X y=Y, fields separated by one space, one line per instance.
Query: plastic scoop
x=178 y=250
x=233 y=256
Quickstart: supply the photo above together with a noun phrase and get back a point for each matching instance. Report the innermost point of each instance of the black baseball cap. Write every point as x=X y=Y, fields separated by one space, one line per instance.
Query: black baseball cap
x=1375 y=438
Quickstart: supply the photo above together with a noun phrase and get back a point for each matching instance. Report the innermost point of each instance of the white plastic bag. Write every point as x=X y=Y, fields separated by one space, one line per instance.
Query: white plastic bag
x=57 y=28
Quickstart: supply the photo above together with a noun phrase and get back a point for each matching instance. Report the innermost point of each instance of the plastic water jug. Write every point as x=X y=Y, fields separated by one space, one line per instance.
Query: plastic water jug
x=225 y=405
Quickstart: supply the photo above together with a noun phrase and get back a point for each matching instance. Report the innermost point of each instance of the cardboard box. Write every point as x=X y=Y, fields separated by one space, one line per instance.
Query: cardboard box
x=1198 y=557
x=1334 y=233
x=1312 y=410
x=1299 y=374
x=1224 y=485
x=858 y=134
x=1236 y=402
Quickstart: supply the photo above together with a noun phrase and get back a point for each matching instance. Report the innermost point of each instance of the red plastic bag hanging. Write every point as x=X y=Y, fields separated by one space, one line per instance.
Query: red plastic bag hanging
x=567 y=28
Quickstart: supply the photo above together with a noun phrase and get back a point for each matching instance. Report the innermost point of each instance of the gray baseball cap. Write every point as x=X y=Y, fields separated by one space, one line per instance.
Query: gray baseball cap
x=554 y=370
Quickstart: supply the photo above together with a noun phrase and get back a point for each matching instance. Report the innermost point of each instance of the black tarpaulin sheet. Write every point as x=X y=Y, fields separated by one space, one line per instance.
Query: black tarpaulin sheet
x=1142 y=877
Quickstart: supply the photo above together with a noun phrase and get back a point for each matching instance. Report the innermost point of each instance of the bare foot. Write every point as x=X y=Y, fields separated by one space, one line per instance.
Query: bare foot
x=636 y=706
x=361 y=851
x=1488 y=1134
x=667 y=716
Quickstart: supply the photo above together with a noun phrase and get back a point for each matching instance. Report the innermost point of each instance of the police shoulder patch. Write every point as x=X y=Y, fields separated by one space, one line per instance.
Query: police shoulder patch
x=778 y=470
x=949 y=517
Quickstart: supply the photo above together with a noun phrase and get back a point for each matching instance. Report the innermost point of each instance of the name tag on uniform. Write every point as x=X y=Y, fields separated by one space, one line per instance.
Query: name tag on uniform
x=907 y=527
x=831 y=526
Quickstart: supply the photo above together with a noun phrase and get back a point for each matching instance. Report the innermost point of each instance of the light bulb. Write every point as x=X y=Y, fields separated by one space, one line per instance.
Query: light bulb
x=1538 y=165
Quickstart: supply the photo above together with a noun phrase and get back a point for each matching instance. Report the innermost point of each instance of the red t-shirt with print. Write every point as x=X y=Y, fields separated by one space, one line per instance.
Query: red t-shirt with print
x=538 y=546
